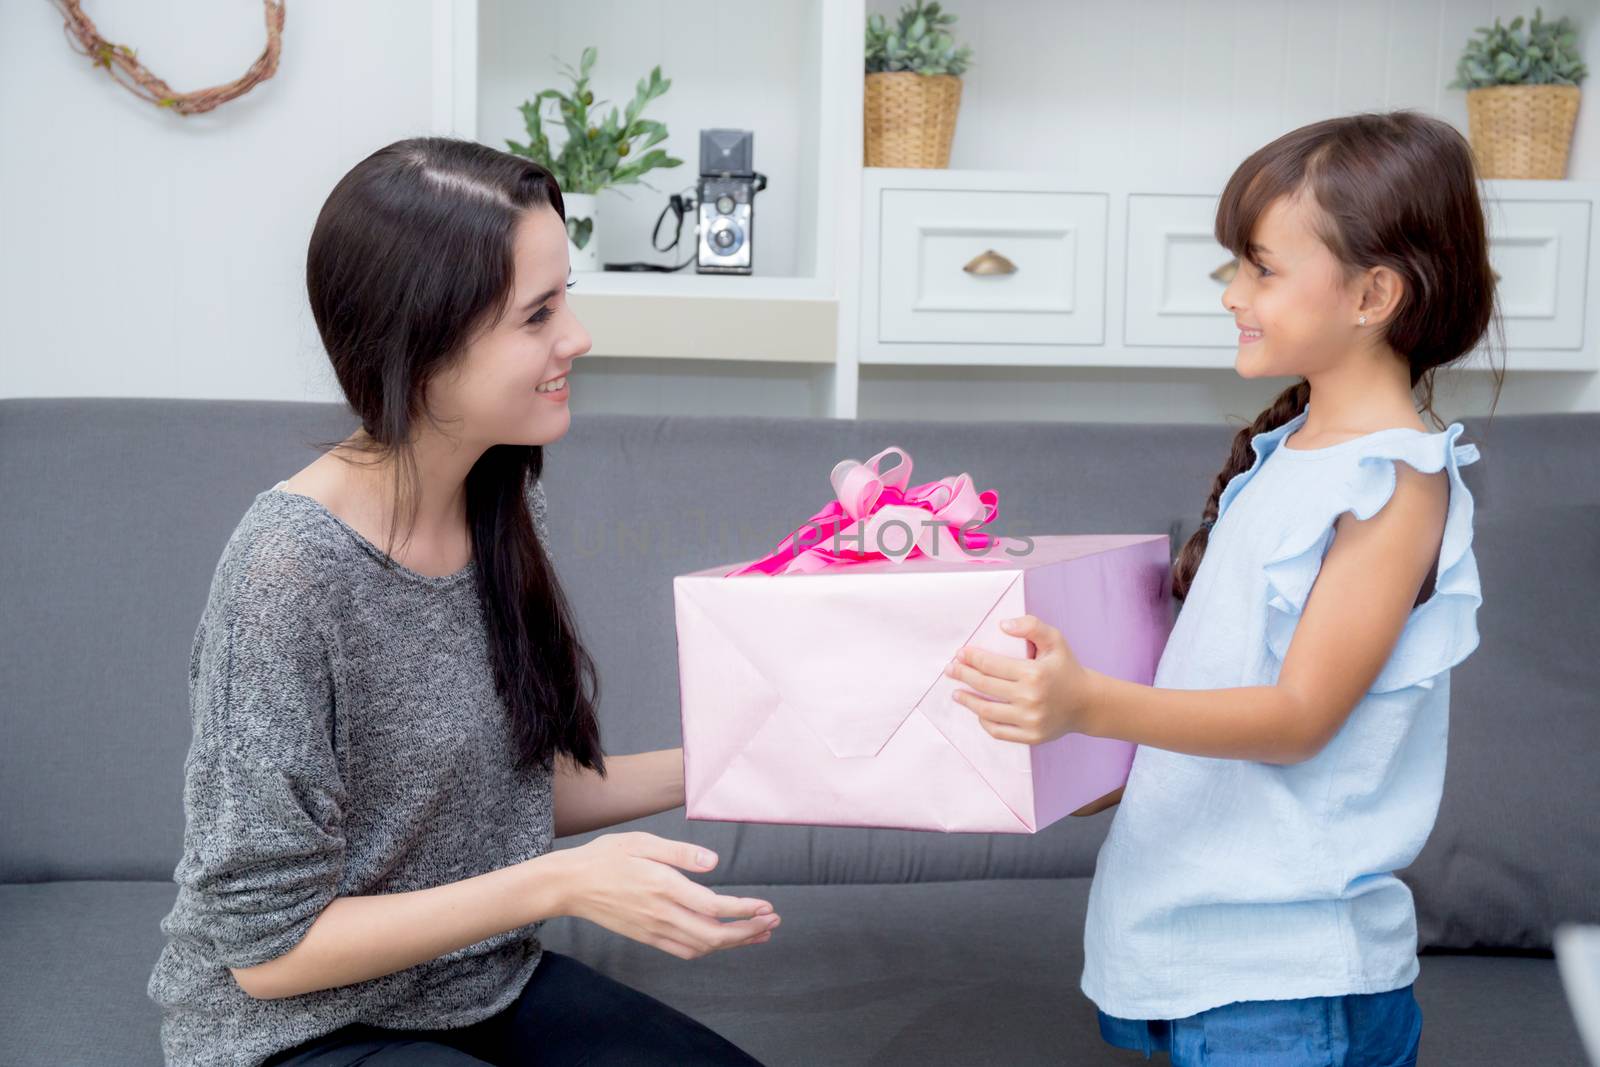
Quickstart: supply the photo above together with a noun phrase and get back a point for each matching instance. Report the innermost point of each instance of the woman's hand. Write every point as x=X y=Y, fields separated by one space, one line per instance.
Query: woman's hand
x=628 y=883
x=1029 y=700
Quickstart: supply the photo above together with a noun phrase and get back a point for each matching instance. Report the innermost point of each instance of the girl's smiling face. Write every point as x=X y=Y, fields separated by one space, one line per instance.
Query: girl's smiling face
x=490 y=395
x=1295 y=306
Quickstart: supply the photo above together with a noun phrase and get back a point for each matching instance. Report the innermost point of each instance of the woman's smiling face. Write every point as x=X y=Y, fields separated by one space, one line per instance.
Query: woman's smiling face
x=490 y=395
x=1291 y=297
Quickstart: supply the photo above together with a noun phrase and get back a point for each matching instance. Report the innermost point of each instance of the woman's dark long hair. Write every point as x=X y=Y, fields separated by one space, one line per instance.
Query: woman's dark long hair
x=410 y=259
x=1397 y=190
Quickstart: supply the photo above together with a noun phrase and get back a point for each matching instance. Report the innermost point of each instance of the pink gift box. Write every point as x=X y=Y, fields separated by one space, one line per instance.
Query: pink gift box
x=820 y=698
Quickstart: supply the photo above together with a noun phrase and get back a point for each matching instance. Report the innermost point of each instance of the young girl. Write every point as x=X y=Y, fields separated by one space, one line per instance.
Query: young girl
x=386 y=740
x=1292 y=748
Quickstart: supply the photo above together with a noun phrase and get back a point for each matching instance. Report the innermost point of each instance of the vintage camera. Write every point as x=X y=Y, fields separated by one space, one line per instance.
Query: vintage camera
x=726 y=195
x=723 y=204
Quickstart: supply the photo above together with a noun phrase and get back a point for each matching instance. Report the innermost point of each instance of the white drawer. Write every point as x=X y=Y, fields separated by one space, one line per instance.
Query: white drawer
x=1540 y=248
x=1054 y=241
x=1174 y=296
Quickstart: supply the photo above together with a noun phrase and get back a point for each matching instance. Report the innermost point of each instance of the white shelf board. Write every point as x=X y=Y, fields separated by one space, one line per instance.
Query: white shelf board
x=779 y=329
x=685 y=315
x=700 y=286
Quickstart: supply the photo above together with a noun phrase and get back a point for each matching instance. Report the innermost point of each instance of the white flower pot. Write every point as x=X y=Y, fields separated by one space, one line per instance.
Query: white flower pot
x=583 y=231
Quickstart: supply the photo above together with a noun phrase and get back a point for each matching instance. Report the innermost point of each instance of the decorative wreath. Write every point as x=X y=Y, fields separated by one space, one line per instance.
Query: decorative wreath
x=122 y=63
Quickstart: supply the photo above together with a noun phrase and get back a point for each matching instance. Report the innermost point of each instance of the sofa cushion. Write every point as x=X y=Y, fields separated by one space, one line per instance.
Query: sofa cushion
x=932 y=973
x=113 y=514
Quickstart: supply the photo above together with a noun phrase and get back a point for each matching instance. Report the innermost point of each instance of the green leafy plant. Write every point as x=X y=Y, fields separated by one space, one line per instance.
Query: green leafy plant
x=919 y=41
x=1545 y=53
x=592 y=157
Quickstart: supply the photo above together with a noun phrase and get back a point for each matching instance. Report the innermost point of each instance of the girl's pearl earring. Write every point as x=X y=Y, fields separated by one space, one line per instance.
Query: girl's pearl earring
x=1362 y=320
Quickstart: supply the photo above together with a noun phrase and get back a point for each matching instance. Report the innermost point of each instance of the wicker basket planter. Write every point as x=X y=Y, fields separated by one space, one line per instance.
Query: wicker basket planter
x=910 y=118
x=1522 y=131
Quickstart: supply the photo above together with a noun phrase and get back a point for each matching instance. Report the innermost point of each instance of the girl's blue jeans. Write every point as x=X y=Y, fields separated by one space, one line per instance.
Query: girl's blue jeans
x=1359 y=1030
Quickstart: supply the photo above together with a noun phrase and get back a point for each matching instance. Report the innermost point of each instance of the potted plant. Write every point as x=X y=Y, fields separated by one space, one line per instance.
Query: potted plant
x=913 y=88
x=1522 y=96
x=616 y=150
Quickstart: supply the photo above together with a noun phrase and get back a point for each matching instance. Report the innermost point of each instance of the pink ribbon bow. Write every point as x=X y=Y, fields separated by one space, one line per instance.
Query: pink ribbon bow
x=874 y=512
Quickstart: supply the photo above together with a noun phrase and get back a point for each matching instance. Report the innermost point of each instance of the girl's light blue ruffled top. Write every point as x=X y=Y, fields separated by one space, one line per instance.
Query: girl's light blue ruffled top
x=1223 y=880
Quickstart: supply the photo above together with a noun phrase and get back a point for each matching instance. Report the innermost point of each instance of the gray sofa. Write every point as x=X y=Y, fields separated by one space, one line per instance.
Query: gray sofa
x=897 y=947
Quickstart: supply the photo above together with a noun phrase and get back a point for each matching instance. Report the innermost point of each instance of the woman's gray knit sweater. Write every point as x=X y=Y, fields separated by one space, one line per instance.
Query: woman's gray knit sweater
x=348 y=740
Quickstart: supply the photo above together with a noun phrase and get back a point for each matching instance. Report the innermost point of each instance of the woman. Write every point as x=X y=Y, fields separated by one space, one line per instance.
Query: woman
x=386 y=740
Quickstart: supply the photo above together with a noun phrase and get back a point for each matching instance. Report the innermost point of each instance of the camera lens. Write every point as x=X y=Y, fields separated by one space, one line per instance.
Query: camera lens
x=725 y=204
x=725 y=237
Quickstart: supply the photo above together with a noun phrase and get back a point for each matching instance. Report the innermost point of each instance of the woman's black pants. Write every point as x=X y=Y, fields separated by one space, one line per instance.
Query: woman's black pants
x=567 y=1015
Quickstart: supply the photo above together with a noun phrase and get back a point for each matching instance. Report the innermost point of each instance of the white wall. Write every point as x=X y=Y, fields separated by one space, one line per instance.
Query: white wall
x=143 y=254
x=147 y=254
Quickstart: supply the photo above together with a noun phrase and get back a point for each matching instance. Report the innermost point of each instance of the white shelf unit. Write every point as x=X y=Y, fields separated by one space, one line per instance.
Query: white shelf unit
x=788 y=70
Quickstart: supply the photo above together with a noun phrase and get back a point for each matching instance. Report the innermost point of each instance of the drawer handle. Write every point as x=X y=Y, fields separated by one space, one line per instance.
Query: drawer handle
x=990 y=262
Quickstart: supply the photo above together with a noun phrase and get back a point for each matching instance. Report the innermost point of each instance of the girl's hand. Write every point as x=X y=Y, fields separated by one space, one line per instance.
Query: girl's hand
x=1029 y=700
x=627 y=883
